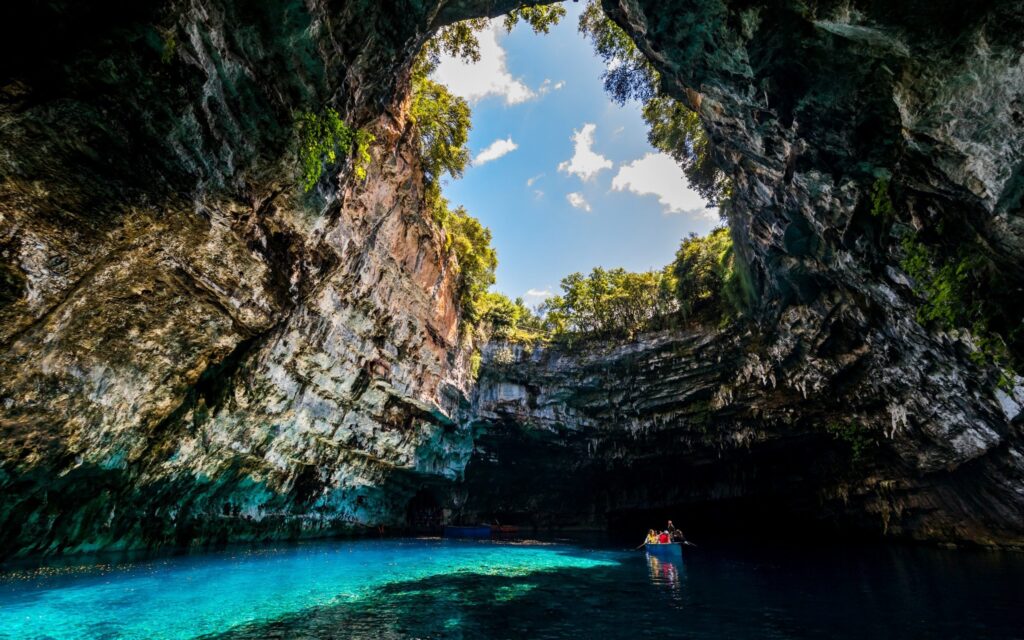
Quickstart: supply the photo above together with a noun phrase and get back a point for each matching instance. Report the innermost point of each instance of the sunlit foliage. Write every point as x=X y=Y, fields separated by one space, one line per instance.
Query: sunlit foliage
x=510 y=320
x=709 y=280
x=443 y=122
x=471 y=242
x=609 y=302
x=628 y=75
x=677 y=130
x=322 y=137
x=540 y=19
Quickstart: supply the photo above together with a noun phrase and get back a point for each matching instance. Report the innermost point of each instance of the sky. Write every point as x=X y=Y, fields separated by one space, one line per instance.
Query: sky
x=563 y=176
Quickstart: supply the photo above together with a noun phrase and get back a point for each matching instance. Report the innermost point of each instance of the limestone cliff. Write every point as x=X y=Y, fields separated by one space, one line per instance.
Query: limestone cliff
x=192 y=349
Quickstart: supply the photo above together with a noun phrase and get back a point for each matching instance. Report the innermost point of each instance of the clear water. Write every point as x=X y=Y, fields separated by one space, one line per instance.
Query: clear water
x=470 y=589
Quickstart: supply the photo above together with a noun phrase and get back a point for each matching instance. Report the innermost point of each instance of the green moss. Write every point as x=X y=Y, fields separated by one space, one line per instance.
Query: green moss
x=859 y=439
x=322 y=137
x=952 y=291
x=474 y=365
x=881 y=203
x=170 y=45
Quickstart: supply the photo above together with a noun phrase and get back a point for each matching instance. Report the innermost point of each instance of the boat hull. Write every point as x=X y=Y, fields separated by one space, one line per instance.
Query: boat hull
x=667 y=550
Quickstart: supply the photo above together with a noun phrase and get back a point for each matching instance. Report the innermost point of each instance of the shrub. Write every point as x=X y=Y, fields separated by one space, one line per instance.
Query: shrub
x=709 y=280
x=322 y=138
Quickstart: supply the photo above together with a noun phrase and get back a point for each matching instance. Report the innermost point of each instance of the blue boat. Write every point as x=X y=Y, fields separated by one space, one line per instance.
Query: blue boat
x=478 y=531
x=666 y=550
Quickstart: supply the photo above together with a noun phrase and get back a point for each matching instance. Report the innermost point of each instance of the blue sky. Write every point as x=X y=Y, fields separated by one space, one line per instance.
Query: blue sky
x=564 y=177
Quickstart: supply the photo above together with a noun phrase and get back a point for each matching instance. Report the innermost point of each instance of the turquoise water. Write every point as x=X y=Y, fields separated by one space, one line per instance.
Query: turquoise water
x=472 y=589
x=189 y=597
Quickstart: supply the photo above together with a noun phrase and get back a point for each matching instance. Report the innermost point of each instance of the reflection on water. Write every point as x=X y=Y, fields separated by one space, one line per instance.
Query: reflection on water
x=400 y=589
x=666 y=572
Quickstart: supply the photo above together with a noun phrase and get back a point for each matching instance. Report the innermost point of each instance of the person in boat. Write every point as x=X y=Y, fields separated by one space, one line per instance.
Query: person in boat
x=652 y=537
x=675 y=534
x=664 y=538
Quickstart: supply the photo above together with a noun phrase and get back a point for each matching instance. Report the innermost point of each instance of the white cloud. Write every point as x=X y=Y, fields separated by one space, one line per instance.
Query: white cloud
x=585 y=163
x=534 y=179
x=490 y=76
x=658 y=174
x=548 y=86
x=537 y=193
x=576 y=199
x=495 y=150
x=537 y=295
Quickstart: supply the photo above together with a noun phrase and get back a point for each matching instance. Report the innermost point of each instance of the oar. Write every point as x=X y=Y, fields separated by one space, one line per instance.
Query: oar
x=688 y=543
x=641 y=546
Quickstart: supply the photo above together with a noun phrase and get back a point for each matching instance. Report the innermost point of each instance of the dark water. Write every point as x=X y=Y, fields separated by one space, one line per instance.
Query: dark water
x=565 y=589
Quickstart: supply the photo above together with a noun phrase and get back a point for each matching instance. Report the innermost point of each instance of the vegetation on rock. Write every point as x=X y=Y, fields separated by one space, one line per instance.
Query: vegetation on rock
x=511 y=320
x=953 y=288
x=709 y=280
x=322 y=137
x=881 y=202
x=859 y=439
x=954 y=276
x=443 y=122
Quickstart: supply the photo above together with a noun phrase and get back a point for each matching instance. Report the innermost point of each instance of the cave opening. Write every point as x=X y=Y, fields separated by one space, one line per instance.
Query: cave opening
x=610 y=222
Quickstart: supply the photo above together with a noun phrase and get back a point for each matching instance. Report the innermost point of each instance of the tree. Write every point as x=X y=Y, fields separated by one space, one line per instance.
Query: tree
x=443 y=122
x=677 y=130
x=609 y=302
x=510 y=320
x=628 y=75
x=709 y=280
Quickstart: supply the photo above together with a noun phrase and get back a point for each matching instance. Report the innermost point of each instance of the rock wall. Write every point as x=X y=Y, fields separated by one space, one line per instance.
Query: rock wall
x=194 y=350
x=706 y=426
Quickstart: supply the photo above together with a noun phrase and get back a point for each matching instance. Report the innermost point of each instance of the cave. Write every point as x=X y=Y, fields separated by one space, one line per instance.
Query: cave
x=234 y=311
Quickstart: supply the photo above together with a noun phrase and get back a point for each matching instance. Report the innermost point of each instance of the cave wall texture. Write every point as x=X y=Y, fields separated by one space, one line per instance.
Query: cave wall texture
x=194 y=351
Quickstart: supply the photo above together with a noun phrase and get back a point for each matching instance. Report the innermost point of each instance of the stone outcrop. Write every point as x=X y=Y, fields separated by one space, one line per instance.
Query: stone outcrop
x=194 y=350
x=710 y=425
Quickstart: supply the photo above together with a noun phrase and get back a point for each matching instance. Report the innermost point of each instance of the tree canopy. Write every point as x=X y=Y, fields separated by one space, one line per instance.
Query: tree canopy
x=609 y=301
x=443 y=122
x=704 y=283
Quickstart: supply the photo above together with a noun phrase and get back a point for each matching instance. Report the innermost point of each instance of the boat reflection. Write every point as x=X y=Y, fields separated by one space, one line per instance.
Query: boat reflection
x=666 y=572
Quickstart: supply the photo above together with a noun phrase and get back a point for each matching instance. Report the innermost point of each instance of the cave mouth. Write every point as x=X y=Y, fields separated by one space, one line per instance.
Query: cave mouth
x=560 y=163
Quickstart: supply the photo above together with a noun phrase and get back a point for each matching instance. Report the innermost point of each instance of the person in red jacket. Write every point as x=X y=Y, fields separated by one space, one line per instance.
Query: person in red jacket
x=663 y=538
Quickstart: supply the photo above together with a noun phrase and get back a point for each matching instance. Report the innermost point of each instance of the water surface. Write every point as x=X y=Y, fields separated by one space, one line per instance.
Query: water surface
x=471 y=589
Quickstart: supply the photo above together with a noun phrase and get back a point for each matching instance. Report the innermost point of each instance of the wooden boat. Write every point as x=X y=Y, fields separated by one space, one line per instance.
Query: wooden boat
x=504 y=529
x=473 y=531
x=665 y=550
